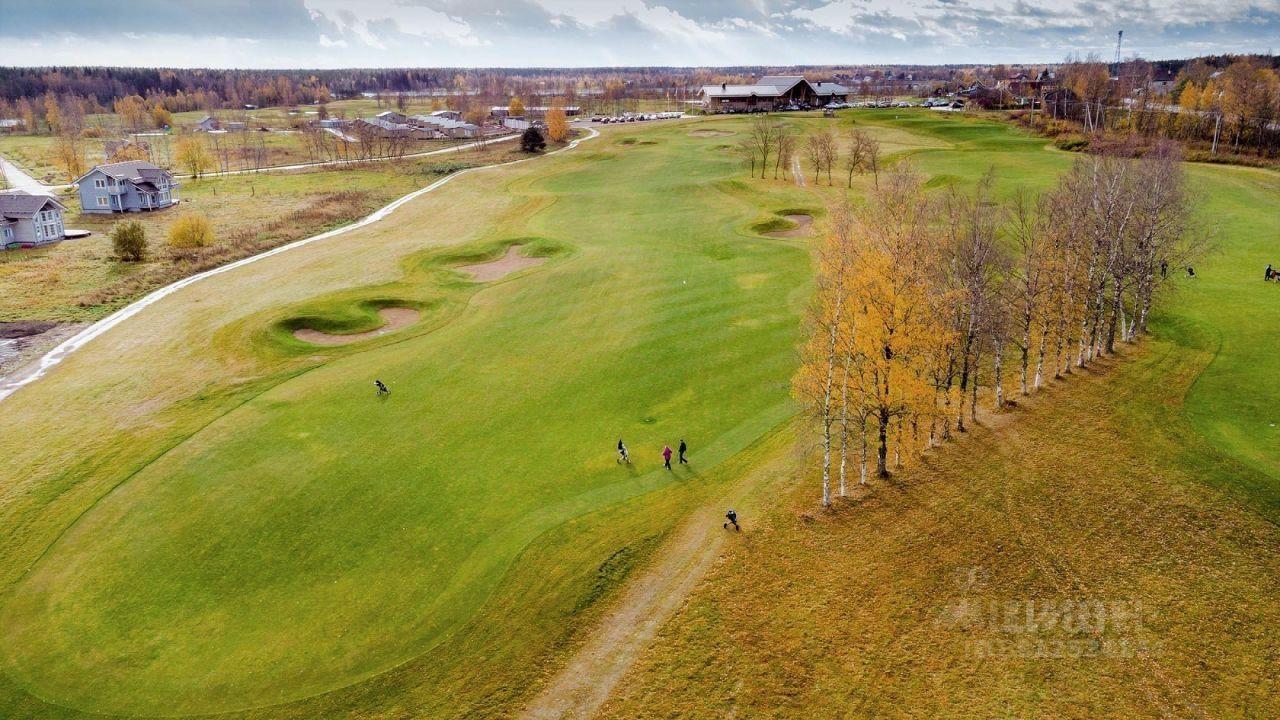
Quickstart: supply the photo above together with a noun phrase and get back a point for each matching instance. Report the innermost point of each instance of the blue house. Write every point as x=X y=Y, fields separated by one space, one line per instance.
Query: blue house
x=28 y=220
x=131 y=186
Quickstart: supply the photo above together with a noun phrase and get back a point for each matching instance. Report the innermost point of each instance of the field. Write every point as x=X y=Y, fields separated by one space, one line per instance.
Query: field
x=79 y=280
x=36 y=153
x=206 y=516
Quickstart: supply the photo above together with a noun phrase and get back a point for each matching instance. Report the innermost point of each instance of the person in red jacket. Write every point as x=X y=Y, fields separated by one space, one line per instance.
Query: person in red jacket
x=666 y=456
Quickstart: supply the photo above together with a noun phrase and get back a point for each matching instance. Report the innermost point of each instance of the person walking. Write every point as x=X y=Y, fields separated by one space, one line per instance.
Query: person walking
x=1270 y=273
x=732 y=520
x=666 y=456
x=623 y=457
x=683 y=449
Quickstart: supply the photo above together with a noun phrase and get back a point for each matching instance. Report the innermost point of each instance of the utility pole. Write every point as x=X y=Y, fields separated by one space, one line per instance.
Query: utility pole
x=1119 y=41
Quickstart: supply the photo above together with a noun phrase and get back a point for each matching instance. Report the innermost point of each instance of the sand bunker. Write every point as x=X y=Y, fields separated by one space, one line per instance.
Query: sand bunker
x=393 y=319
x=804 y=223
x=502 y=267
x=710 y=133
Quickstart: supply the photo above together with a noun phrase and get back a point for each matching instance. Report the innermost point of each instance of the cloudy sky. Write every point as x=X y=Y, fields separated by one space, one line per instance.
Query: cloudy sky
x=369 y=33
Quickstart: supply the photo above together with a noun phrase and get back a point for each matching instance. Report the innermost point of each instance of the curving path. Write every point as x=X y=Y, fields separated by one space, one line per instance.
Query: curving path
x=69 y=346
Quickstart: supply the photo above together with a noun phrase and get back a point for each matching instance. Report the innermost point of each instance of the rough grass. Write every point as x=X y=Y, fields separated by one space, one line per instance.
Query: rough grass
x=1149 y=593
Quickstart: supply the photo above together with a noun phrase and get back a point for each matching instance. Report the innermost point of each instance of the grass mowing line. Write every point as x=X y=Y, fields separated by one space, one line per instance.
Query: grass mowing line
x=59 y=353
x=586 y=680
x=399 y=493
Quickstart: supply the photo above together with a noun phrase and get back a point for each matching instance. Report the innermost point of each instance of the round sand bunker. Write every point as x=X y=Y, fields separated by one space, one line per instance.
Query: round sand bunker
x=803 y=228
x=393 y=319
x=511 y=262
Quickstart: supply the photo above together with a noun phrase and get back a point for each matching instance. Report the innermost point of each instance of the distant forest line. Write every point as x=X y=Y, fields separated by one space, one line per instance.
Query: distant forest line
x=234 y=87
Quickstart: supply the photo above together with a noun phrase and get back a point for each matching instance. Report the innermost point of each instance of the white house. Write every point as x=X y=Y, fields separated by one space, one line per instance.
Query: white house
x=28 y=220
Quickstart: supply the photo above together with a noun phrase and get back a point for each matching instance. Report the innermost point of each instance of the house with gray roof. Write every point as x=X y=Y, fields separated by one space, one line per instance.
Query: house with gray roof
x=771 y=92
x=131 y=186
x=28 y=220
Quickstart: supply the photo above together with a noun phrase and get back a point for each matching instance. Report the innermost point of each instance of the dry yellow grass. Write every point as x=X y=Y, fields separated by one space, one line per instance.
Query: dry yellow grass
x=1071 y=566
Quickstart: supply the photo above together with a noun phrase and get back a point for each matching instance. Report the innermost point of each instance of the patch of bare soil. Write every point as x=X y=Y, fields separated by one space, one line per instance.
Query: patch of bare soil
x=511 y=262
x=709 y=133
x=803 y=228
x=393 y=319
x=22 y=344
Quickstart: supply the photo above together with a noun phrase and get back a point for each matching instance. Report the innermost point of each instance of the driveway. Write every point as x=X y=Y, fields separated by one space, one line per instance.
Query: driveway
x=19 y=180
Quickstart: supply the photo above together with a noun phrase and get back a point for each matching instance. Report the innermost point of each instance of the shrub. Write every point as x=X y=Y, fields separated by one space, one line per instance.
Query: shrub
x=129 y=241
x=191 y=231
x=532 y=141
x=1071 y=143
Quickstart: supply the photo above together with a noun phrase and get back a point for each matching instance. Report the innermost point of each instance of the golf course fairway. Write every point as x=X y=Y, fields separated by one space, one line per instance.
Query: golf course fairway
x=246 y=522
x=204 y=515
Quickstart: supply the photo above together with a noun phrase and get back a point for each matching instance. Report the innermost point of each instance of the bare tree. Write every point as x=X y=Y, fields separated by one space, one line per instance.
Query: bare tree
x=863 y=156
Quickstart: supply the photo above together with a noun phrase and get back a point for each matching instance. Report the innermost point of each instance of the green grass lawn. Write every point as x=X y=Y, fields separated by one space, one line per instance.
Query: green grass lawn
x=1150 y=483
x=256 y=527
x=217 y=519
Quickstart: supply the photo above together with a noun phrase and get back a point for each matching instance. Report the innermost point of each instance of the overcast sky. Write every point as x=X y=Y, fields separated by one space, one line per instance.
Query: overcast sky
x=371 y=33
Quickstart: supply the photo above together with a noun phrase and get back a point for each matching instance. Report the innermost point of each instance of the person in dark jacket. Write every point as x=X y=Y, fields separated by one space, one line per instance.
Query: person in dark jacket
x=683 y=449
x=382 y=388
x=732 y=520
x=623 y=457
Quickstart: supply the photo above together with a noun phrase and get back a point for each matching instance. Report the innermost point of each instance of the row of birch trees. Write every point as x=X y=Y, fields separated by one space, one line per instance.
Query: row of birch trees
x=922 y=299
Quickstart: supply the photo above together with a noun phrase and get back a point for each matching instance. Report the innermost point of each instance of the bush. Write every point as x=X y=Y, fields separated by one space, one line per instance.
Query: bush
x=191 y=231
x=129 y=241
x=532 y=141
x=1071 y=143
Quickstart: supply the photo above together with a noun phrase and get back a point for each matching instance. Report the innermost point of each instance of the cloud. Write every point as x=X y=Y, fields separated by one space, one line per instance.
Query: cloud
x=338 y=33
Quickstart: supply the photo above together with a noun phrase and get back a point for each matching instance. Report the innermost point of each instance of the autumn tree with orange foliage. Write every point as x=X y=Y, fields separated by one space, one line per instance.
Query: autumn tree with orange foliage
x=557 y=125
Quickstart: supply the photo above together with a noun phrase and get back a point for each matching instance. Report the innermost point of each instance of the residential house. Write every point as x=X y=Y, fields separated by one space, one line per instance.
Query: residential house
x=28 y=220
x=447 y=114
x=131 y=186
x=208 y=124
x=771 y=92
x=10 y=125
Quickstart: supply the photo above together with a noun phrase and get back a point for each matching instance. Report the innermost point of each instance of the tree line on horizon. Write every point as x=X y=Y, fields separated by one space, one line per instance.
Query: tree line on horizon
x=923 y=299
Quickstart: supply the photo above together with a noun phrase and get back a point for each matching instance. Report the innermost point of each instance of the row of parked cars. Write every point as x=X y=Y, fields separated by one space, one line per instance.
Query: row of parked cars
x=636 y=117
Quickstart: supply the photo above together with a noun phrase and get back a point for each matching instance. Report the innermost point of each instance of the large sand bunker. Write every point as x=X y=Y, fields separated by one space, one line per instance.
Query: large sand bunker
x=502 y=267
x=393 y=319
x=804 y=224
x=710 y=133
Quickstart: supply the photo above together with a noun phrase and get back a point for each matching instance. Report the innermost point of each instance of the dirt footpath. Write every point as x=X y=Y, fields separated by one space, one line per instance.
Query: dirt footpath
x=648 y=600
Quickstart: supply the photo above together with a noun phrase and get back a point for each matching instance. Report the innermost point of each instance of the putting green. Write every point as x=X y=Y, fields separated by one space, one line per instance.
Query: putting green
x=283 y=537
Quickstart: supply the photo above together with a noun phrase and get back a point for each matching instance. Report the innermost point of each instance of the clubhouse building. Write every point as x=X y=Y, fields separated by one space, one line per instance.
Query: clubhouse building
x=771 y=92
